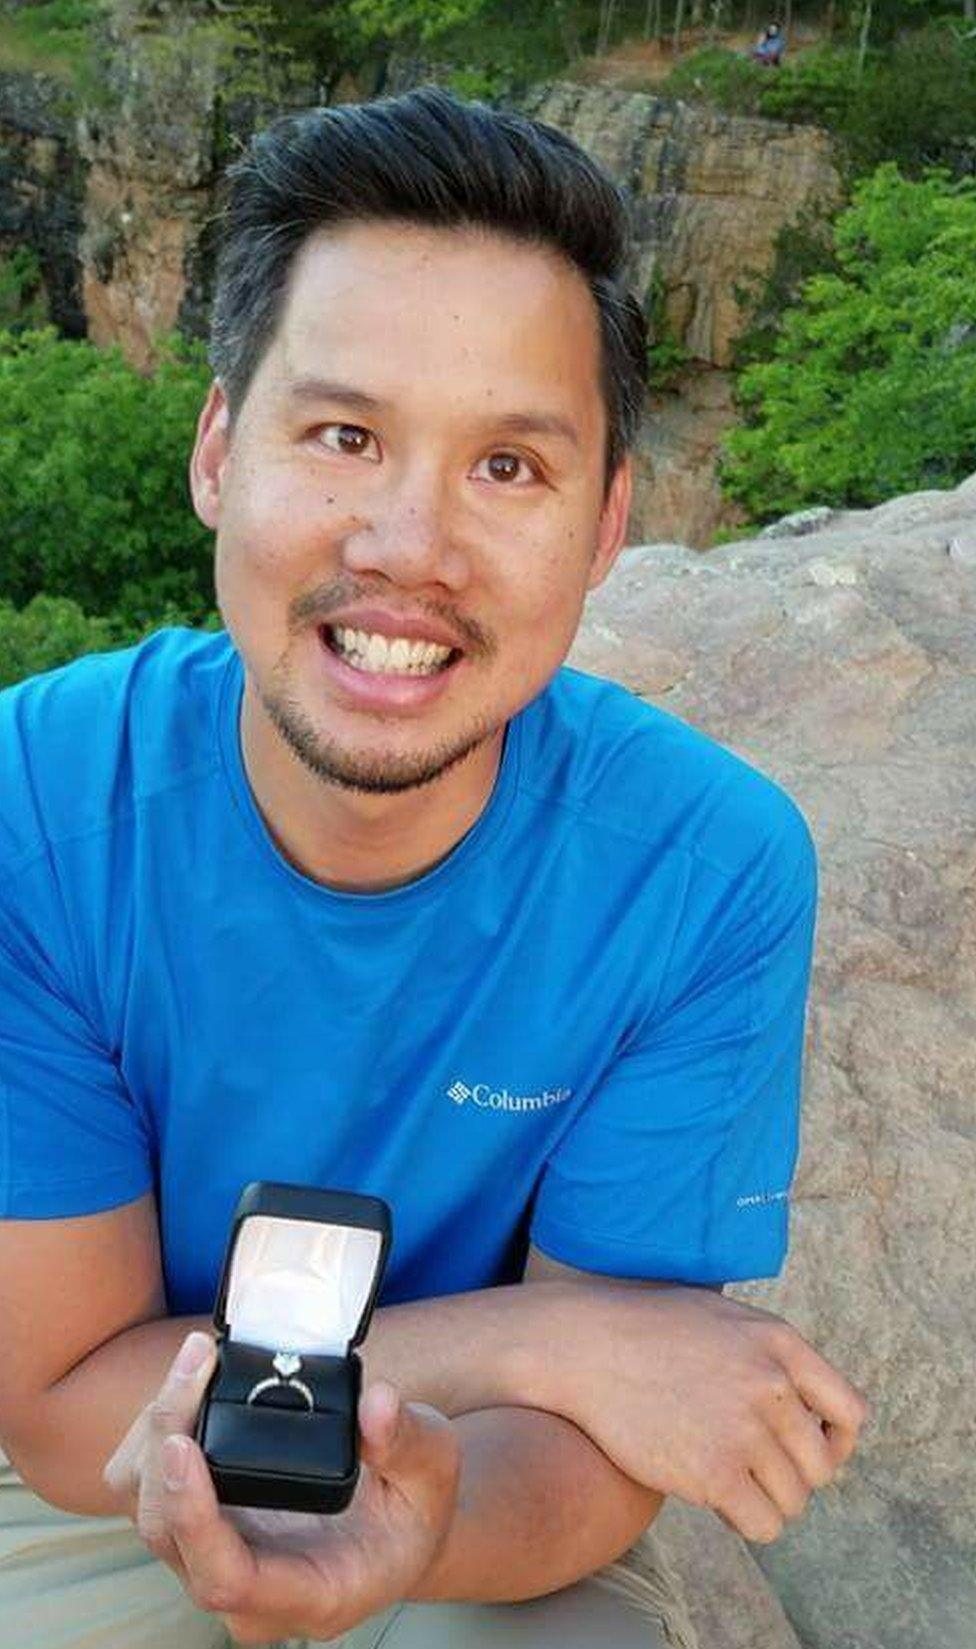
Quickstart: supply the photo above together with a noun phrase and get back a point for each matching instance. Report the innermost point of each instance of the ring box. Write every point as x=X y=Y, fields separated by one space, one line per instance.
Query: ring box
x=278 y=1424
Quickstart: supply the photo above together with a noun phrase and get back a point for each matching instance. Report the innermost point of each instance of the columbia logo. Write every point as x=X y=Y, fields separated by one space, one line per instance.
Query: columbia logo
x=487 y=1098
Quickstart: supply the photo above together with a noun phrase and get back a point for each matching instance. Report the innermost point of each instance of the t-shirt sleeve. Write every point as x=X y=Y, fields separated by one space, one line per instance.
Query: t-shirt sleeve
x=71 y=1140
x=679 y=1165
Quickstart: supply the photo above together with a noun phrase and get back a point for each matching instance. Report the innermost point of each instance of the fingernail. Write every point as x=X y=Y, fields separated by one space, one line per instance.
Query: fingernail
x=193 y=1354
x=176 y=1459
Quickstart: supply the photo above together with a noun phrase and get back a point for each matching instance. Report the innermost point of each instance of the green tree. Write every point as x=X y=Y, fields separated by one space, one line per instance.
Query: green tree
x=22 y=300
x=94 y=502
x=49 y=631
x=871 y=389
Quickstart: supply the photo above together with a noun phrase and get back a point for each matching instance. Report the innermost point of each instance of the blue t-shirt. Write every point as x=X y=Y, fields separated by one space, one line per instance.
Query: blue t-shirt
x=582 y=1028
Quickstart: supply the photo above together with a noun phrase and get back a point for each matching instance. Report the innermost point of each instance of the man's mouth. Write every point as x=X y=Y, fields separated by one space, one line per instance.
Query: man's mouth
x=381 y=655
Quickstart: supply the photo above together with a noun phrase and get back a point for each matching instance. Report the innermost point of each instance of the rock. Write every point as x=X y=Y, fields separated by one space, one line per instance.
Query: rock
x=843 y=664
x=676 y=488
x=962 y=548
x=827 y=574
x=42 y=185
x=710 y=193
x=800 y=523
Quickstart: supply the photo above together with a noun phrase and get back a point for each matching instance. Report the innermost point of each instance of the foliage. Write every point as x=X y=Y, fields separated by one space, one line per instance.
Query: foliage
x=723 y=79
x=22 y=300
x=871 y=390
x=803 y=247
x=917 y=104
x=506 y=48
x=816 y=89
x=667 y=356
x=53 y=630
x=50 y=38
x=93 y=496
x=50 y=631
x=913 y=103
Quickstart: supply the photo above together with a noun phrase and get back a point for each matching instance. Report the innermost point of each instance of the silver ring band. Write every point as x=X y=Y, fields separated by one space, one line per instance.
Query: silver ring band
x=276 y=1380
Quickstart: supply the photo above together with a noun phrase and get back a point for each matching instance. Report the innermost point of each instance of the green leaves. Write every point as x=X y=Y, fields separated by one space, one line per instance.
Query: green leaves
x=94 y=503
x=871 y=389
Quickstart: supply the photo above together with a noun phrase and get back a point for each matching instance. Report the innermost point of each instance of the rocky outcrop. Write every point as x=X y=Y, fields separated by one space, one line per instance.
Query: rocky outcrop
x=840 y=657
x=709 y=193
x=677 y=497
x=149 y=196
x=42 y=187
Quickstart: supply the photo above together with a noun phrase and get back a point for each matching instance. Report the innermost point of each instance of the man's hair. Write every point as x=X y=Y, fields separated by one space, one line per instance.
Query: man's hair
x=426 y=158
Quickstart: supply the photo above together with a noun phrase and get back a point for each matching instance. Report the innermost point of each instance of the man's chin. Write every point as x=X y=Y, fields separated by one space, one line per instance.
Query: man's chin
x=374 y=773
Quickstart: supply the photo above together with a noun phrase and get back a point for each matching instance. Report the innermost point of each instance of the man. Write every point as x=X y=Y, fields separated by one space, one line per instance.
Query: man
x=369 y=893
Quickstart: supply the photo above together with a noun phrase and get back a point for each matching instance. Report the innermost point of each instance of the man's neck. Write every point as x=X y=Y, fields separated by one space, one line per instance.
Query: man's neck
x=352 y=841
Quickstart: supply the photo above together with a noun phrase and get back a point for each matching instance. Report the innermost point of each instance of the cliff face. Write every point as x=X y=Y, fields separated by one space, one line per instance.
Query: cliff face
x=151 y=173
x=708 y=196
x=42 y=187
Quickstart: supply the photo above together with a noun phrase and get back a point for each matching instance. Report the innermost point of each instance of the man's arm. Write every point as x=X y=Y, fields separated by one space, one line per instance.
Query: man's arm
x=671 y=1391
x=538 y=1503
x=539 y=1506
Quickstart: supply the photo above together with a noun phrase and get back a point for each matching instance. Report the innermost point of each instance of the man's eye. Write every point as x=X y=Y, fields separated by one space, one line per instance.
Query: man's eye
x=505 y=466
x=351 y=439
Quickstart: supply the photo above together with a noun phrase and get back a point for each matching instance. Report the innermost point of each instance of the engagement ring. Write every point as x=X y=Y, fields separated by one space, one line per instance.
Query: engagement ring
x=286 y=1365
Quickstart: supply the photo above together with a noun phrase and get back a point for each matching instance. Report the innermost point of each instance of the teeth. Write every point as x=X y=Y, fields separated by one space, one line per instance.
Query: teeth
x=385 y=657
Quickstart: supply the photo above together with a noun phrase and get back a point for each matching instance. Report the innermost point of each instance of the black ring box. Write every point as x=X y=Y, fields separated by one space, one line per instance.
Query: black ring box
x=300 y=1277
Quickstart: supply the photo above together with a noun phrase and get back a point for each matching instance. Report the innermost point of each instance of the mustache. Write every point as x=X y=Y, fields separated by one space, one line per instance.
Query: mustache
x=316 y=606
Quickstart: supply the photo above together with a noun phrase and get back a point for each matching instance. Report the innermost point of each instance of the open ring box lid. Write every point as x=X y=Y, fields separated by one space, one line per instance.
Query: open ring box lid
x=301 y=1275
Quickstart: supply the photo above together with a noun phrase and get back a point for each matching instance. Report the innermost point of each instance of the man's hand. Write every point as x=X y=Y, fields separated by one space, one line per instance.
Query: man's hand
x=271 y=1575
x=707 y=1399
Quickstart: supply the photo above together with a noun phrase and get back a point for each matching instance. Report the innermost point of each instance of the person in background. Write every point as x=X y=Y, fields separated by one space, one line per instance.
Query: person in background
x=770 y=46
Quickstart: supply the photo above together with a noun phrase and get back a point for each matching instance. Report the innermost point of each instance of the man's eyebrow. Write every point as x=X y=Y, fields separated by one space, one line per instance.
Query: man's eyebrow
x=324 y=389
x=511 y=423
x=538 y=423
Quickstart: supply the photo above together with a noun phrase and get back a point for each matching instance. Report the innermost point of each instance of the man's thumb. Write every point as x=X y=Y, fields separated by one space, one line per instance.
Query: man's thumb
x=176 y=1406
x=402 y=1440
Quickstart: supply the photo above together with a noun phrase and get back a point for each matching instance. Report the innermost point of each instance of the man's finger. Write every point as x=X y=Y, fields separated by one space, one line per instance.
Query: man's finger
x=218 y=1564
x=747 y=1509
x=825 y=1390
x=261 y=1594
x=177 y=1403
x=802 y=1435
x=779 y=1479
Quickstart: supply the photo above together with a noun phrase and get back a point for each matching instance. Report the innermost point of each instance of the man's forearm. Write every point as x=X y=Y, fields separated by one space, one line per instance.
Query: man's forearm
x=539 y=1506
x=459 y=1353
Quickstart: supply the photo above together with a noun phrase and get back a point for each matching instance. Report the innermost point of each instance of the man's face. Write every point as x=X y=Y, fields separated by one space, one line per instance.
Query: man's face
x=410 y=508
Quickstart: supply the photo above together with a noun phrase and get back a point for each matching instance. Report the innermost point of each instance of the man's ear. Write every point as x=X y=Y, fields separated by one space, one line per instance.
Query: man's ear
x=210 y=450
x=613 y=523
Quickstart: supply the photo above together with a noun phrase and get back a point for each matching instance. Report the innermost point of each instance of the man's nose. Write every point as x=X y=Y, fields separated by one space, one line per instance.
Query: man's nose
x=409 y=533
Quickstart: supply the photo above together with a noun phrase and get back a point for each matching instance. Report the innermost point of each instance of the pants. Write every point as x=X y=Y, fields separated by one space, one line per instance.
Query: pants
x=71 y=1582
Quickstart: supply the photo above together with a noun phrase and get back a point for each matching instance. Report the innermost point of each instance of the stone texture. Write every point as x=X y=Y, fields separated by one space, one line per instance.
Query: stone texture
x=708 y=194
x=843 y=663
x=151 y=175
x=730 y=1603
x=42 y=185
x=676 y=490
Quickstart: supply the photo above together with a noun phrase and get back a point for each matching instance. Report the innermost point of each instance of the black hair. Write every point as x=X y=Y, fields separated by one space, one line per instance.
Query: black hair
x=427 y=158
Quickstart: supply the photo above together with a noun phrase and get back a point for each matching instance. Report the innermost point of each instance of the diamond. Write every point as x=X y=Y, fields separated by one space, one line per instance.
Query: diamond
x=286 y=1363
